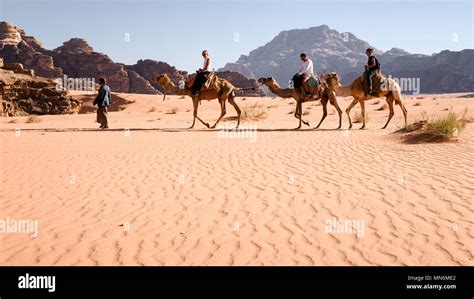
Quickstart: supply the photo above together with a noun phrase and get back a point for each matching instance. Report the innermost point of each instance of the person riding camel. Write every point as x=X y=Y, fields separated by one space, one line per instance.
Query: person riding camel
x=371 y=69
x=304 y=73
x=202 y=74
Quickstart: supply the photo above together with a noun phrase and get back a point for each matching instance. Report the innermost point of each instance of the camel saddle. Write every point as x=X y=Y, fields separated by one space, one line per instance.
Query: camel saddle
x=211 y=82
x=313 y=81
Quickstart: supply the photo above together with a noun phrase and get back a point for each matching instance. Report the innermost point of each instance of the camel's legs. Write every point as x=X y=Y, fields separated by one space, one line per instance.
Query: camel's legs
x=194 y=121
x=194 y=115
x=301 y=115
x=389 y=99
x=222 y=102
x=348 y=110
x=324 y=103
x=404 y=110
x=195 y=106
x=362 y=110
x=298 y=112
x=333 y=101
x=237 y=109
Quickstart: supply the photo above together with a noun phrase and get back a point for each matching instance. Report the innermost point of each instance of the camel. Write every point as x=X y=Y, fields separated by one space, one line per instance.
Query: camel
x=225 y=92
x=356 y=89
x=295 y=93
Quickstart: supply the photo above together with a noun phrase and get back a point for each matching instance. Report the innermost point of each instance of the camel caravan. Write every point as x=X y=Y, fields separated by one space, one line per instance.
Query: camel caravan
x=306 y=87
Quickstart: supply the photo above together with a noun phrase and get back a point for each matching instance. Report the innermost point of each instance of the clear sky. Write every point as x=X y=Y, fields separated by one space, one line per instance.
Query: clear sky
x=177 y=31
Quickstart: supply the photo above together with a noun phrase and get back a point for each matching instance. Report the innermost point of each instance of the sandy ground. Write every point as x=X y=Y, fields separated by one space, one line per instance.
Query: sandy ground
x=150 y=192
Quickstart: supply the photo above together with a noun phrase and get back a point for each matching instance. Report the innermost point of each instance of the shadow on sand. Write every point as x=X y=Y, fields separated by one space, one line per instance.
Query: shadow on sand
x=165 y=130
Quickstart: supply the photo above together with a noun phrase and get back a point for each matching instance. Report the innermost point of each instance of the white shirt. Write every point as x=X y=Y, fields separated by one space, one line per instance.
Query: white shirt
x=306 y=67
x=209 y=69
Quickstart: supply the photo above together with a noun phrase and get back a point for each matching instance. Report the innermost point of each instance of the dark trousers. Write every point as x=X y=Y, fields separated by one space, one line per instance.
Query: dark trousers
x=102 y=116
x=370 y=76
x=199 y=81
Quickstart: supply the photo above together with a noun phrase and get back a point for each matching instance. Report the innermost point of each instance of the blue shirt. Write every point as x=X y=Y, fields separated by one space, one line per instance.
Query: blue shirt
x=104 y=96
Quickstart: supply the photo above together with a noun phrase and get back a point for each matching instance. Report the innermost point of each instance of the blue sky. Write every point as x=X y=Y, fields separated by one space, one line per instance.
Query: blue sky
x=177 y=31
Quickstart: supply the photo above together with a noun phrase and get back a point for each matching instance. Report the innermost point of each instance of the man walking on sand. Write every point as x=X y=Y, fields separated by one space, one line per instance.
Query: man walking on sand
x=102 y=101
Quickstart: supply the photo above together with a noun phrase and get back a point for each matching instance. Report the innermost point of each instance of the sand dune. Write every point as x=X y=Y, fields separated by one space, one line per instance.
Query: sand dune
x=150 y=192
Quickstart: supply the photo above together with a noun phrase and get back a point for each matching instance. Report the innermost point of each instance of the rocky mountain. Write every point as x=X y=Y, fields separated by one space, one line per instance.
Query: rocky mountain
x=343 y=52
x=329 y=49
x=77 y=59
x=240 y=80
x=16 y=47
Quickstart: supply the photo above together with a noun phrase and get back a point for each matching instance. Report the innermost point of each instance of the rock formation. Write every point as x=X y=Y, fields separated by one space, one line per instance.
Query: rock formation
x=240 y=80
x=22 y=93
x=75 y=58
x=16 y=47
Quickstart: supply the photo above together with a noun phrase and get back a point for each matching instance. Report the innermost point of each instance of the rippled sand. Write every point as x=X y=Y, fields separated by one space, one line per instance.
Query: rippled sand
x=150 y=192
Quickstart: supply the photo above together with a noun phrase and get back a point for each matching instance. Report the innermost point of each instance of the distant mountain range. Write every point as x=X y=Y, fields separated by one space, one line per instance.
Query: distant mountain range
x=344 y=53
x=76 y=59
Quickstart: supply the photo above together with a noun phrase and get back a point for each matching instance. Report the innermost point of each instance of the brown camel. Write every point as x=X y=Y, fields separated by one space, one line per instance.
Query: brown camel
x=391 y=92
x=295 y=93
x=224 y=92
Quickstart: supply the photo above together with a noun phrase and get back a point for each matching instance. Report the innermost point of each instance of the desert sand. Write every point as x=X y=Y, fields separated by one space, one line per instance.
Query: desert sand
x=150 y=192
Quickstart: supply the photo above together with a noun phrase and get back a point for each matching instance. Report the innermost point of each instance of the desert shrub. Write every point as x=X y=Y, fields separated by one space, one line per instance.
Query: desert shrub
x=33 y=119
x=448 y=126
x=438 y=129
x=254 y=112
x=358 y=117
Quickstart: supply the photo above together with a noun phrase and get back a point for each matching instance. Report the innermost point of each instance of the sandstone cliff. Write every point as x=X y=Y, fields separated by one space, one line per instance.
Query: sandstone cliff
x=22 y=93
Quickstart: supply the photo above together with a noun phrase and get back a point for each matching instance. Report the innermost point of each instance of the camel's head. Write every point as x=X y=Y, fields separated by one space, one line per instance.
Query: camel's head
x=268 y=81
x=163 y=80
x=332 y=79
